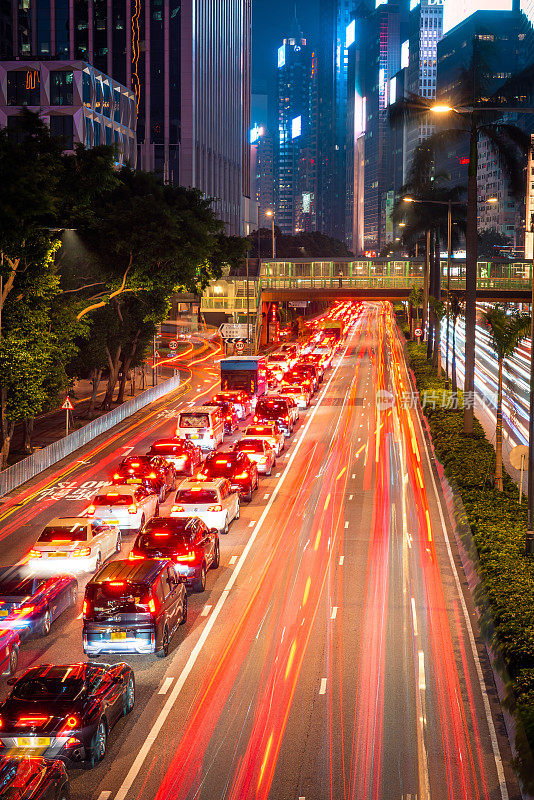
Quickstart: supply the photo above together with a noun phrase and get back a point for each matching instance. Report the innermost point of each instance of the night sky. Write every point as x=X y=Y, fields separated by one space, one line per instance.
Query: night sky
x=271 y=21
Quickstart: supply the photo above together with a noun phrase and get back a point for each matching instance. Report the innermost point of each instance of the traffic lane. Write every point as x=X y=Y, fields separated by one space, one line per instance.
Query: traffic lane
x=187 y=731
x=67 y=490
x=153 y=675
x=459 y=729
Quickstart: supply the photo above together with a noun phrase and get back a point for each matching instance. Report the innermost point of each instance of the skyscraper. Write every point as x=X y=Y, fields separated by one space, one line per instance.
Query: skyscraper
x=297 y=136
x=188 y=62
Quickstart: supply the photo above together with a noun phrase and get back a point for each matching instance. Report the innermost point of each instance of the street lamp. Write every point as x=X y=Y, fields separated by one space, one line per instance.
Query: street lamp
x=270 y=213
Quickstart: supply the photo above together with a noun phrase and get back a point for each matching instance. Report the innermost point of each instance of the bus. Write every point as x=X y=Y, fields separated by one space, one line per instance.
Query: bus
x=244 y=373
x=332 y=329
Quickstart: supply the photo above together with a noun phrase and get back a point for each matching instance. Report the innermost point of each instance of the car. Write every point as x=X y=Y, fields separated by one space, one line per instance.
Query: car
x=9 y=651
x=187 y=541
x=128 y=507
x=133 y=606
x=317 y=361
x=229 y=414
x=267 y=430
x=185 y=456
x=304 y=374
x=33 y=778
x=291 y=350
x=326 y=352
x=237 y=467
x=275 y=409
x=300 y=394
x=66 y=711
x=29 y=603
x=75 y=544
x=281 y=360
x=215 y=502
x=260 y=451
x=240 y=399
x=153 y=472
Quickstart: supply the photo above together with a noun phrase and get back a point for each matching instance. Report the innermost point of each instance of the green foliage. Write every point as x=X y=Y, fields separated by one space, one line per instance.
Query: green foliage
x=497 y=525
x=506 y=330
x=490 y=241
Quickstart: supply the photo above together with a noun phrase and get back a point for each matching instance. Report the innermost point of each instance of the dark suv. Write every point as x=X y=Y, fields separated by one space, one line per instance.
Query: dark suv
x=274 y=409
x=133 y=606
x=192 y=546
x=237 y=467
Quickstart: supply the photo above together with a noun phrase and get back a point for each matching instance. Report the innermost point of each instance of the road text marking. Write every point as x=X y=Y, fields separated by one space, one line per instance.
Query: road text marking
x=322 y=690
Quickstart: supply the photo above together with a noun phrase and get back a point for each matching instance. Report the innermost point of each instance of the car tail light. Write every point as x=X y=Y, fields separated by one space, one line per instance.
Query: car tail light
x=72 y=741
x=81 y=552
x=135 y=557
x=263 y=460
x=177 y=509
x=85 y=608
x=241 y=476
x=189 y=556
x=90 y=510
x=1 y=723
x=152 y=606
x=72 y=722
x=32 y=720
x=132 y=509
x=152 y=475
x=215 y=508
x=256 y=418
x=116 y=476
x=35 y=554
x=25 y=610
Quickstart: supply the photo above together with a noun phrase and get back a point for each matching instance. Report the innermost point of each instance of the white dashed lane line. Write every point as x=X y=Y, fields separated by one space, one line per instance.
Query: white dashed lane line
x=341 y=560
x=205 y=611
x=233 y=560
x=165 y=686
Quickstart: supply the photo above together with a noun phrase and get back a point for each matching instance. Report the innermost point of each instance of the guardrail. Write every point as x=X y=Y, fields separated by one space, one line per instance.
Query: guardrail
x=24 y=470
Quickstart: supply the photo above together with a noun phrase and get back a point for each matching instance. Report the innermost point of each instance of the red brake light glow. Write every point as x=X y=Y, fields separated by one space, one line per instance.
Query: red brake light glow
x=152 y=606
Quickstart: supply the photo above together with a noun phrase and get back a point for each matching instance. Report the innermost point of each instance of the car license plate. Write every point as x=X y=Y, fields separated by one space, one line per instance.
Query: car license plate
x=194 y=436
x=57 y=555
x=4 y=612
x=118 y=635
x=33 y=741
x=134 y=480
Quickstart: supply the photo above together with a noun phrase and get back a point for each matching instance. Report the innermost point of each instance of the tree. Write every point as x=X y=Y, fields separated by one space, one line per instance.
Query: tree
x=310 y=244
x=506 y=331
x=471 y=120
x=456 y=309
x=491 y=242
x=415 y=299
x=438 y=310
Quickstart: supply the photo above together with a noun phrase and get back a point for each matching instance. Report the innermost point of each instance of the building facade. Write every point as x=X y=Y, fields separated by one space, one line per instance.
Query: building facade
x=296 y=163
x=263 y=171
x=188 y=63
x=77 y=101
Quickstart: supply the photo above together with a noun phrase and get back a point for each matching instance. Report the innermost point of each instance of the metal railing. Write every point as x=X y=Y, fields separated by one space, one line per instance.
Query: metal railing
x=40 y=460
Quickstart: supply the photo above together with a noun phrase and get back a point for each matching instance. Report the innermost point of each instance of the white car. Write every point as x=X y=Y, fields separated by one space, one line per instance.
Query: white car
x=267 y=430
x=75 y=544
x=281 y=360
x=299 y=394
x=128 y=506
x=260 y=451
x=214 y=502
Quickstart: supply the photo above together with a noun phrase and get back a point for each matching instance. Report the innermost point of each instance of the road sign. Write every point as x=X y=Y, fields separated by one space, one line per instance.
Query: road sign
x=234 y=340
x=173 y=344
x=67 y=405
x=519 y=460
x=240 y=346
x=298 y=303
x=418 y=332
x=234 y=330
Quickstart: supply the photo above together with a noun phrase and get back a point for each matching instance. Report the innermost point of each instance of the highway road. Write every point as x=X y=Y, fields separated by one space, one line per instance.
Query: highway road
x=335 y=653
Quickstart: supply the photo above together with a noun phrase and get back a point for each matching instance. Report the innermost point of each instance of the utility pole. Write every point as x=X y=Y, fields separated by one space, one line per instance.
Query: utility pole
x=249 y=343
x=449 y=254
x=155 y=368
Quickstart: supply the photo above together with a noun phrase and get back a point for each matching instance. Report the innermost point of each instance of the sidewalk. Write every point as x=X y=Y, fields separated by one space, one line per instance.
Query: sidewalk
x=50 y=427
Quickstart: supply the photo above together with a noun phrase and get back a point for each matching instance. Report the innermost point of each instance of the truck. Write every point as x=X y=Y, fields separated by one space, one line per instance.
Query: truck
x=332 y=329
x=244 y=373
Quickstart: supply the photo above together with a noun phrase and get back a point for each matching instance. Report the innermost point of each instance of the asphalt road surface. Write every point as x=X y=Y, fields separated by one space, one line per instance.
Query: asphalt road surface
x=335 y=652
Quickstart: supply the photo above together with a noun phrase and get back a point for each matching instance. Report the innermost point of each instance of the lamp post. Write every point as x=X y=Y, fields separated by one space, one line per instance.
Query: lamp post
x=270 y=213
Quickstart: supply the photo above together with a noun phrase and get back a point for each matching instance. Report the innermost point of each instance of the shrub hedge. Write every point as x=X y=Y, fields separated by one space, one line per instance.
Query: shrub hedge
x=497 y=524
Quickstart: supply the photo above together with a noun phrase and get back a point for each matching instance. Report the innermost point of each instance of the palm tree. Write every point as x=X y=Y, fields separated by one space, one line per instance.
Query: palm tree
x=472 y=119
x=506 y=332
x=456 y=308
x=438 y=309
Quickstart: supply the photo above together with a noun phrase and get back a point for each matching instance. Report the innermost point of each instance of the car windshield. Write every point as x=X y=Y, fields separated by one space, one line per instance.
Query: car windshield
x=137 y=462
x=72 y=533
x=197 y=496
x=250 y=446
x=116 y=597
x=113 y=499
x=275 y=359
x=220 y=466
x=166 y=448
x=163 y=538
x=260 y=430
x=271 y=407
x=48 y=688
x=194 y=421
x=290 y=389
x=14 y=585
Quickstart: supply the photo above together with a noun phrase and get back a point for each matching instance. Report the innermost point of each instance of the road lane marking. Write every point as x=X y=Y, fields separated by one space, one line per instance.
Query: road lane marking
x=351 y=496
x=322 y=690
x=233 y=560
x=414 y=615
x=341 y=560
x=341 y=473
x=104 y=795
x=353 y=476
x=197 y=649
x=165 y=686
x=265 y=496
x=422 y=679
x=333 y=615
x=346 y=524
x=80 y=616
x=205 y=611
x=251 y=523
x=485 y=698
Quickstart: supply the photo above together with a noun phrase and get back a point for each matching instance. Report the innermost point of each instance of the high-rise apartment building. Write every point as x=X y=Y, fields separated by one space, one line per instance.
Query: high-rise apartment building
x=263 y=172
x=296 y=190
x=188 y=62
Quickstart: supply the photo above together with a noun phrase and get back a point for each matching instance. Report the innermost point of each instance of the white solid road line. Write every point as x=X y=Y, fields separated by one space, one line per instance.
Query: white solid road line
x=485 y=699
x=164 y=688
x=322 y=690
x=171 y=700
